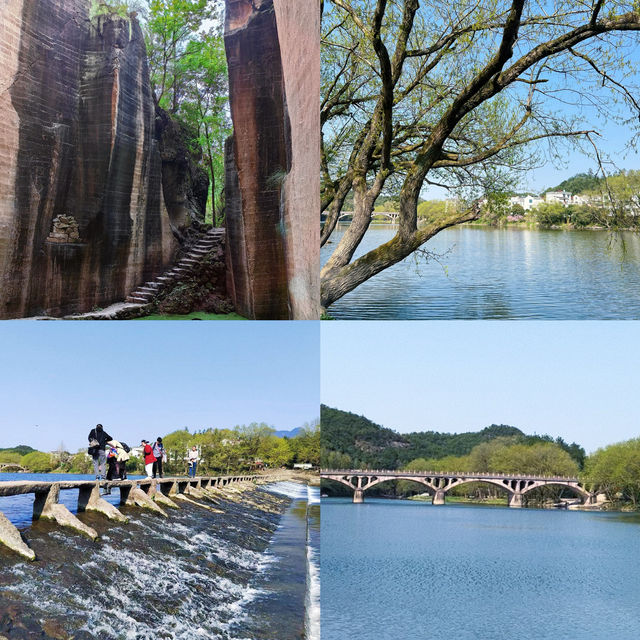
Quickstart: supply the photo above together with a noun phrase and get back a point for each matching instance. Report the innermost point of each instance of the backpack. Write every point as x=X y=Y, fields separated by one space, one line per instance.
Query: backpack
x=126 y=447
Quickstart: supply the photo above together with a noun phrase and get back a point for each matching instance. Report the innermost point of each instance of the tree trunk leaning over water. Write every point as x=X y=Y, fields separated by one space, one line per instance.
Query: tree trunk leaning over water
x=444 y=102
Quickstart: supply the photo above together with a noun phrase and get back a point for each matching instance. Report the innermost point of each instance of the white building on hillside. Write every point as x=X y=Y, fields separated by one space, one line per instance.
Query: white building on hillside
x=526 y=202
x=562 y=197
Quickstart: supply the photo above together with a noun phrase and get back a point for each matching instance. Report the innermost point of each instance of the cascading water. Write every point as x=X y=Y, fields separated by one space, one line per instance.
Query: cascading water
x=235 y=575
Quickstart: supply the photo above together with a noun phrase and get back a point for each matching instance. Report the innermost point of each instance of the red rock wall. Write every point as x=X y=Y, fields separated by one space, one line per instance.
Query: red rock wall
x=299 y=36
x=78 y=128
x=272 y=184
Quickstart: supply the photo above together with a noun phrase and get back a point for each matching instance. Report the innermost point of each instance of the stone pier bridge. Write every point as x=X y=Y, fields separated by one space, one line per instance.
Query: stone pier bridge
x=153 y=494
x=437 y=484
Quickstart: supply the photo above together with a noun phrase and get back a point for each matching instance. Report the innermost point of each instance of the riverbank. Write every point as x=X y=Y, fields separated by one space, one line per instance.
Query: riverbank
x=201 y=573
x=532 y=226
x=604 y=506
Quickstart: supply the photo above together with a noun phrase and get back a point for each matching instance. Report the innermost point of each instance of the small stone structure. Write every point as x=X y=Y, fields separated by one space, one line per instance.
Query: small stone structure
x=65 y=229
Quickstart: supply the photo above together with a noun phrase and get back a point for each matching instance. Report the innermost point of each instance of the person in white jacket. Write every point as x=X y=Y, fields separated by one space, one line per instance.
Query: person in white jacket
x=193 y=461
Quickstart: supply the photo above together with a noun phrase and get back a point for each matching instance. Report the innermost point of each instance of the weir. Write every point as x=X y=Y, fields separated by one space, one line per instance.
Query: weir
x=439 y=483
x=147 y=493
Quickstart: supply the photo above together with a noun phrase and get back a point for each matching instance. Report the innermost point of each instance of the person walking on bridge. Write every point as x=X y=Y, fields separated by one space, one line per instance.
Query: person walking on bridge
x=193 y=461
x=98 y=439
x=149 y=458
x=159 y=454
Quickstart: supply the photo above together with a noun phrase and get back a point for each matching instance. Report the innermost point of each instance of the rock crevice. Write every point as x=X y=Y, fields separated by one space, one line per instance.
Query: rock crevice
x=79 y=150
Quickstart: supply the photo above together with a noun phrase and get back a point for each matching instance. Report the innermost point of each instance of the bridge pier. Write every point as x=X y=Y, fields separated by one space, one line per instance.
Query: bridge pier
x=46 y=506
x=438 y=497
x=124 y=494
x=10 y=537
x=89 y=500
x=516 y=500
x=358 y=496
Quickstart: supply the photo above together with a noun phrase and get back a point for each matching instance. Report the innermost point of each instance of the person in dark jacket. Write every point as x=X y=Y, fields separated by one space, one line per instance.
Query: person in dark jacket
x=98 y=439
x=158 y=453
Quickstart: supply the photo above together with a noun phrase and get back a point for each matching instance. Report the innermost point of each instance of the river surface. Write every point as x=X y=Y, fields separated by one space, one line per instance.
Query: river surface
x=249 y=573
x=509 y=273
x=398 y=569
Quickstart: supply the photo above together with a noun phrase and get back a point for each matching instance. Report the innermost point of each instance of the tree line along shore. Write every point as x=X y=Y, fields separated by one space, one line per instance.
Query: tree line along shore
x=242 y=448
x=582 y=202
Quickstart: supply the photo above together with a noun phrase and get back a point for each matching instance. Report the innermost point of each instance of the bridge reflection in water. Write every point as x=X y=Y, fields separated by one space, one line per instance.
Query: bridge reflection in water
x=438 y=484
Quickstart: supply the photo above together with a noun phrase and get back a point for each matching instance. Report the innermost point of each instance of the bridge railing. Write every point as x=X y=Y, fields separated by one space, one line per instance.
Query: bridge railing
x=445 y=474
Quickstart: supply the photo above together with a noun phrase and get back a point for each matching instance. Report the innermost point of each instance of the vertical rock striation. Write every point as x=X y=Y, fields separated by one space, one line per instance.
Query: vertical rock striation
x=77 y=144
x=272 y=187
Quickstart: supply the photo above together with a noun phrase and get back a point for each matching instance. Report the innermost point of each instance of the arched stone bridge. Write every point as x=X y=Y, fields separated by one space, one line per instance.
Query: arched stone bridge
x=438 y=484
x=348 y=215
x=12 y=466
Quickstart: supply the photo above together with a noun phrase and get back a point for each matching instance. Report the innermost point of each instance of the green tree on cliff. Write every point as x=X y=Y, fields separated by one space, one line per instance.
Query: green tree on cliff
x=203 y=70
x=171 y=25
x=188 y=70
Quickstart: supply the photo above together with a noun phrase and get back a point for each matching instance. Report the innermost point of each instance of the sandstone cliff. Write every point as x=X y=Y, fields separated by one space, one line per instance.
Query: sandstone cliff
x=82 y=213
x=272 y=184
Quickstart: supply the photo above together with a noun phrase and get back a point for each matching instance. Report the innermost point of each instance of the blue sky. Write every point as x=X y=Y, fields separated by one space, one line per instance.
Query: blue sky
x=145 y=379
x=578 y=380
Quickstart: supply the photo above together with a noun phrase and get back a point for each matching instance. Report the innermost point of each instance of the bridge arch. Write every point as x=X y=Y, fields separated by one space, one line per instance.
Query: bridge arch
x=342 y=481
x=573 y=486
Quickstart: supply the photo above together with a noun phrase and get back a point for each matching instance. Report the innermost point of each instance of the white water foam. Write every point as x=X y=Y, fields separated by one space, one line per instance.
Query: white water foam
x=293 y=490
x=312 y=614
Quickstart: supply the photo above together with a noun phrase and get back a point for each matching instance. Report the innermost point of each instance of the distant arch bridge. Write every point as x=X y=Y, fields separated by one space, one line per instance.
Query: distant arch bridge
x=348 y=215
x=437 y=484
x=12 y=466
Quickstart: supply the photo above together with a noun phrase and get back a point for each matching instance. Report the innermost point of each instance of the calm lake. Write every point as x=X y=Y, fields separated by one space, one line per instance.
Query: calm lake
x=512 y=273
x=398 y=569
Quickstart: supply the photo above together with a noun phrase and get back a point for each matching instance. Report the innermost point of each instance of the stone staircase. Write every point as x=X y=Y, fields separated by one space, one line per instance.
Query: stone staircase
x=149 y=290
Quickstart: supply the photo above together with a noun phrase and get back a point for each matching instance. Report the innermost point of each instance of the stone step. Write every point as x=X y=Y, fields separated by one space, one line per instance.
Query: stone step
x=206 y=244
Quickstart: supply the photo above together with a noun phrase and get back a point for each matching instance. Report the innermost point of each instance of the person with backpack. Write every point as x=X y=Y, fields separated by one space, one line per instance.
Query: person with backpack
x=149 y=458
x=160 y=456
x=98 y=439
x=122 y=455
x=112 y=462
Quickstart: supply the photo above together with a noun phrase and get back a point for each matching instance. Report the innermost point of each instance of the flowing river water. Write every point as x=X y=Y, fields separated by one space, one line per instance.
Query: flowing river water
x=250 y=573
x=400 y=569
x=506 y=273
